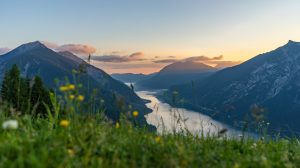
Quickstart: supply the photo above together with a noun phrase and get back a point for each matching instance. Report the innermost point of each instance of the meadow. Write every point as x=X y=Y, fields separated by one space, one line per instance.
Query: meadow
x=94 y=141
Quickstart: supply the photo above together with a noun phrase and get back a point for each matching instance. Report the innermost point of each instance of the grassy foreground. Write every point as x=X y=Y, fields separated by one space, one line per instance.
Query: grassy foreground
x=69 y=137
x=92 y=142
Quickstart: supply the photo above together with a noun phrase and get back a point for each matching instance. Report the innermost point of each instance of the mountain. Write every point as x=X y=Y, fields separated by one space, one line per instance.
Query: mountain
x=176 y=73
x=186 y=67
x=36 y=59
x=130 y=77
x=268 y=84
x=71 y=56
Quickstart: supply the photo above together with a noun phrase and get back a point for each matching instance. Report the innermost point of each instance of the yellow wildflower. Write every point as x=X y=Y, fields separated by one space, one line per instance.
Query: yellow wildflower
x=236 y=165
x=71 y=152
x=71 y=97
x=80 y=98
x=117 y=125
x=63 y=88
x=158 y=139
x=71 y=87
x=135 y=113
x=64 y=123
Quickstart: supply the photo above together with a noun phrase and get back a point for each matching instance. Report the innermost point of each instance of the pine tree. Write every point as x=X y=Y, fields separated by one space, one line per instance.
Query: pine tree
x=25 y=95
x=14 y=91
x=39 y=96
x=5 y=86
x=10 y=90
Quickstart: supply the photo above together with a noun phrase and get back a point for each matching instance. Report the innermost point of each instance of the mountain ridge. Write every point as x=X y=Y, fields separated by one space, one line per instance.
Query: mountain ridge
x=176 y=73
x=268 y=80
x=186 y=67
x=131 y=77
x=36 y=59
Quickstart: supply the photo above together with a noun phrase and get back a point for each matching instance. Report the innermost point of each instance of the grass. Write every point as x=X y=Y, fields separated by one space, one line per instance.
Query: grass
x=93 y=142
x=70 y=138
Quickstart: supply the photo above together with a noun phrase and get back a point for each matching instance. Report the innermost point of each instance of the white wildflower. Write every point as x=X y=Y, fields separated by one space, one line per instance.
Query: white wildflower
x=253 y=145
x=10 y=124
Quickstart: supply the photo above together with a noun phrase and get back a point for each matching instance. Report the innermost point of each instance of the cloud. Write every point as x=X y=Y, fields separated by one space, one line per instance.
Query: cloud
x=165 y=61
x=78 y=49
x=134 y=66
x=110 y=58
x=217 y=61
x=4 y=50
x=172 y=59
x=203 y=58
x=116 y=52
x=137 y=56
x=50 y=45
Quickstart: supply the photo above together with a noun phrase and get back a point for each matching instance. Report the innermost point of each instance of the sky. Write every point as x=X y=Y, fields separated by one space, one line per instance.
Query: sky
x=142 y=36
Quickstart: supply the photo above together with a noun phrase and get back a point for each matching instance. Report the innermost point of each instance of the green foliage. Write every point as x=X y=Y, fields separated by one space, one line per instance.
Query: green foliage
x=92 y=142
x=82 y=68
x=5 y=86
x=11 y=84
x=40 y=95
x=24 y=94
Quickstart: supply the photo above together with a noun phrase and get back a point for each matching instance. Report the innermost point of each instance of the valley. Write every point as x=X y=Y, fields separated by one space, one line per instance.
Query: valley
x=168 y=119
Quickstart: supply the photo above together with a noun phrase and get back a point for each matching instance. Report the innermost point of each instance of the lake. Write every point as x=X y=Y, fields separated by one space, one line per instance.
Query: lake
x=170 y=119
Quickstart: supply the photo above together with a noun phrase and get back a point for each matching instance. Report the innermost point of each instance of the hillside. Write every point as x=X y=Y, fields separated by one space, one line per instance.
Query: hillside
x=130 y=77
x=268 y=83
x=176 y=73
x=36 y=59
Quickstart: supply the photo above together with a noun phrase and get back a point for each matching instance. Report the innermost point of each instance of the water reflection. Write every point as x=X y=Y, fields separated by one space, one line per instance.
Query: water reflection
x=170 y=119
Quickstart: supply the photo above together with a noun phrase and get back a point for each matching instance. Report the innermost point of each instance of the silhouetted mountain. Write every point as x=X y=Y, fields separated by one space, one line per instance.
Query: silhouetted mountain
x=186 y=67
x=36 y=59
x=130 y=77
x=269 y=81
x=176 y=73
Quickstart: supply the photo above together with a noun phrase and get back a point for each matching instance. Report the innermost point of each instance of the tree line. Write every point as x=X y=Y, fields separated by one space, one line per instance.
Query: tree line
x=24 y=94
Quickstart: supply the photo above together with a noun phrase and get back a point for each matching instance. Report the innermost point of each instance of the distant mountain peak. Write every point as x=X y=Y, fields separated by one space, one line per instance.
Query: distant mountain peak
x=270 y=80
x=33 y=44
x=291 y=42
x=27 y=47
x=186 y=66
x=35 y=58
